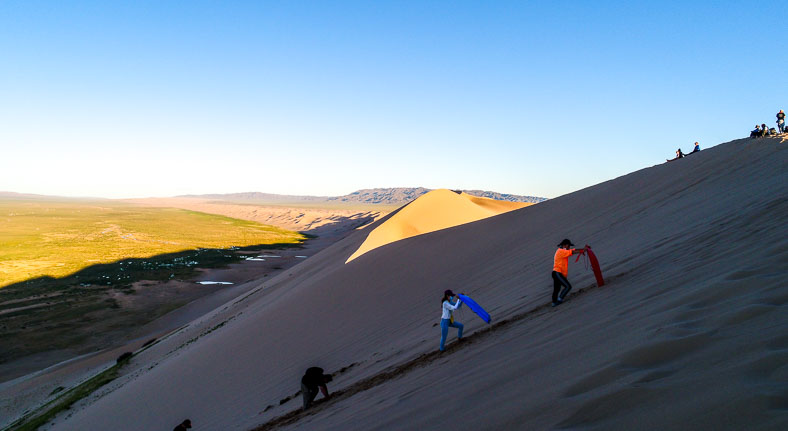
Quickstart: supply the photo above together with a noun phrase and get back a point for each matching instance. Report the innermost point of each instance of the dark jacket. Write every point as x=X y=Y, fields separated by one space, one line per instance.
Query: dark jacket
x=314 y=377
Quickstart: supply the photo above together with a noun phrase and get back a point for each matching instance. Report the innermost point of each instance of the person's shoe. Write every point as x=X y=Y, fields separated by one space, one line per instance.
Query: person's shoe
x=556 y=304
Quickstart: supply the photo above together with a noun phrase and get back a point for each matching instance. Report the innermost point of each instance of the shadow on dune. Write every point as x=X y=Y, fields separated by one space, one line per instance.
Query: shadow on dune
x=341 y=225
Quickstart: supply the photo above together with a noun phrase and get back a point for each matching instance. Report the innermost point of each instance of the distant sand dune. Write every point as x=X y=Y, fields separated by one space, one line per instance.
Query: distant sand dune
x=436 y=210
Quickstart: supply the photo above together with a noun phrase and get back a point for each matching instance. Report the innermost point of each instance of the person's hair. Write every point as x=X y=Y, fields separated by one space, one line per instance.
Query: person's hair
x=445 y=297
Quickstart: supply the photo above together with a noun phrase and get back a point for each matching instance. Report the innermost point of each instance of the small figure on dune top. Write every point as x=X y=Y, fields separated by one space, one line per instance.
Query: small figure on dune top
x=696 y=149
x=447 y=319
x=183 y=426
x=561 y=270
x=312 y=380
x=781 y=121
x=679 y=155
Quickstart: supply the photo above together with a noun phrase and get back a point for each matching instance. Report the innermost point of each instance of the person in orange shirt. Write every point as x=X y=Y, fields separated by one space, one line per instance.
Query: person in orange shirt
x=561 y=270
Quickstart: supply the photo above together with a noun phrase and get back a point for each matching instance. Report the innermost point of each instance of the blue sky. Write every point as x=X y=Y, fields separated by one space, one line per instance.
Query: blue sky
x=160 y=98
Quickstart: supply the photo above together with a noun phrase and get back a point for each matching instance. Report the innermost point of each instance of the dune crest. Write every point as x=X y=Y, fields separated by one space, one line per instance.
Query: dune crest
x=436 y=210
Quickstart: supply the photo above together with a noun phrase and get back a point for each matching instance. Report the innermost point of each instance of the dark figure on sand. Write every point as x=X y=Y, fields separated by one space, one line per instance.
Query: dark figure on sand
x=679 y=155
x=312 y=380
x=694 y=150
x=756 y=133
x=561 y=270
x=183 y=426
x=781 y=121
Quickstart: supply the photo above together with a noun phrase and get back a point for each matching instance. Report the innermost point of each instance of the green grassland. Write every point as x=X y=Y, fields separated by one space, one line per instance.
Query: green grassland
x=60 y=238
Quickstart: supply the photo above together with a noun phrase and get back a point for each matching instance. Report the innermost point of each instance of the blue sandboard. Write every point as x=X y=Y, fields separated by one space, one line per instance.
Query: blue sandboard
x=475 y=307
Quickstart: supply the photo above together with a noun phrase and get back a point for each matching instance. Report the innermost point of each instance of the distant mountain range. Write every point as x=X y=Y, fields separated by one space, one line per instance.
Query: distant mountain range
x=383 y=196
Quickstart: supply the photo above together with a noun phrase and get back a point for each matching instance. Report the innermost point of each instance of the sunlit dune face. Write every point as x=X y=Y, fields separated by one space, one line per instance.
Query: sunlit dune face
x=436 y=210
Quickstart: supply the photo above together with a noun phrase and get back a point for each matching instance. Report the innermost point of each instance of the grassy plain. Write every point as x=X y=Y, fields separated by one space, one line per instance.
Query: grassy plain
x=41 y=238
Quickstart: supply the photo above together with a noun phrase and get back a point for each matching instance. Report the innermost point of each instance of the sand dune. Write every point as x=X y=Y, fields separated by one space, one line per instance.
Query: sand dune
x=438 y=209
x=688 y=333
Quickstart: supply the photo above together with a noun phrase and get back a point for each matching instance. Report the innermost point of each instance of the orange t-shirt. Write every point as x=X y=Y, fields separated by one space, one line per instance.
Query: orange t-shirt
x=561 y=261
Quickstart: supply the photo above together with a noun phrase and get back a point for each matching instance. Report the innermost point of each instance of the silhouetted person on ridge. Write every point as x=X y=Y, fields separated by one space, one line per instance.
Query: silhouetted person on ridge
x=312 y=380
x=781 y=121
x=561 y=270
x=756 y=133
x=764 y=130
x=694 y=150
x=183 y=426
x=679 y=155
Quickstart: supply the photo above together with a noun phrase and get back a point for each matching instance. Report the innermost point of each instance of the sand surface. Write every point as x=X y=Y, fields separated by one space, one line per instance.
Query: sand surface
x=438 y=209
x=688 y=333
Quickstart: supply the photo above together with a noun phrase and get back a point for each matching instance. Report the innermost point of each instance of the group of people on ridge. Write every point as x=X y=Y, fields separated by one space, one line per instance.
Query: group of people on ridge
x=762 y=130
x=680 y=154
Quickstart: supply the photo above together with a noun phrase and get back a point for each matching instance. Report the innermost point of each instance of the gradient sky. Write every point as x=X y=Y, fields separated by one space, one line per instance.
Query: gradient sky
x=160 y=98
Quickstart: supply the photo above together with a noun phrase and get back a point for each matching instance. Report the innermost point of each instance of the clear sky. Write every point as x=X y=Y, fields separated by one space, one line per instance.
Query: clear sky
x=160 y=98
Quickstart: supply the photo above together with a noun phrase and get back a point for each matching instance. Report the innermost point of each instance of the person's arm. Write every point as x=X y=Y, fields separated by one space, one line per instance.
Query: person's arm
x=579 y=250
x=455 y=306
x=324 y=390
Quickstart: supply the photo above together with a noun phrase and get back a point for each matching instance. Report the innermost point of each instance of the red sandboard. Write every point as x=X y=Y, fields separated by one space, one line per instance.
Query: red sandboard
x=595 y=266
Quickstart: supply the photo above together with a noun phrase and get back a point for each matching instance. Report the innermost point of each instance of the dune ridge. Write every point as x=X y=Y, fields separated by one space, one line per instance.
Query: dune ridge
x=435 y=210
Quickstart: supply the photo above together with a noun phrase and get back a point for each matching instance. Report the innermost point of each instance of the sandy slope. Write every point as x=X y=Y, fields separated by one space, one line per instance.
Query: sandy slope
x=689 y=333
x=438 y=209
